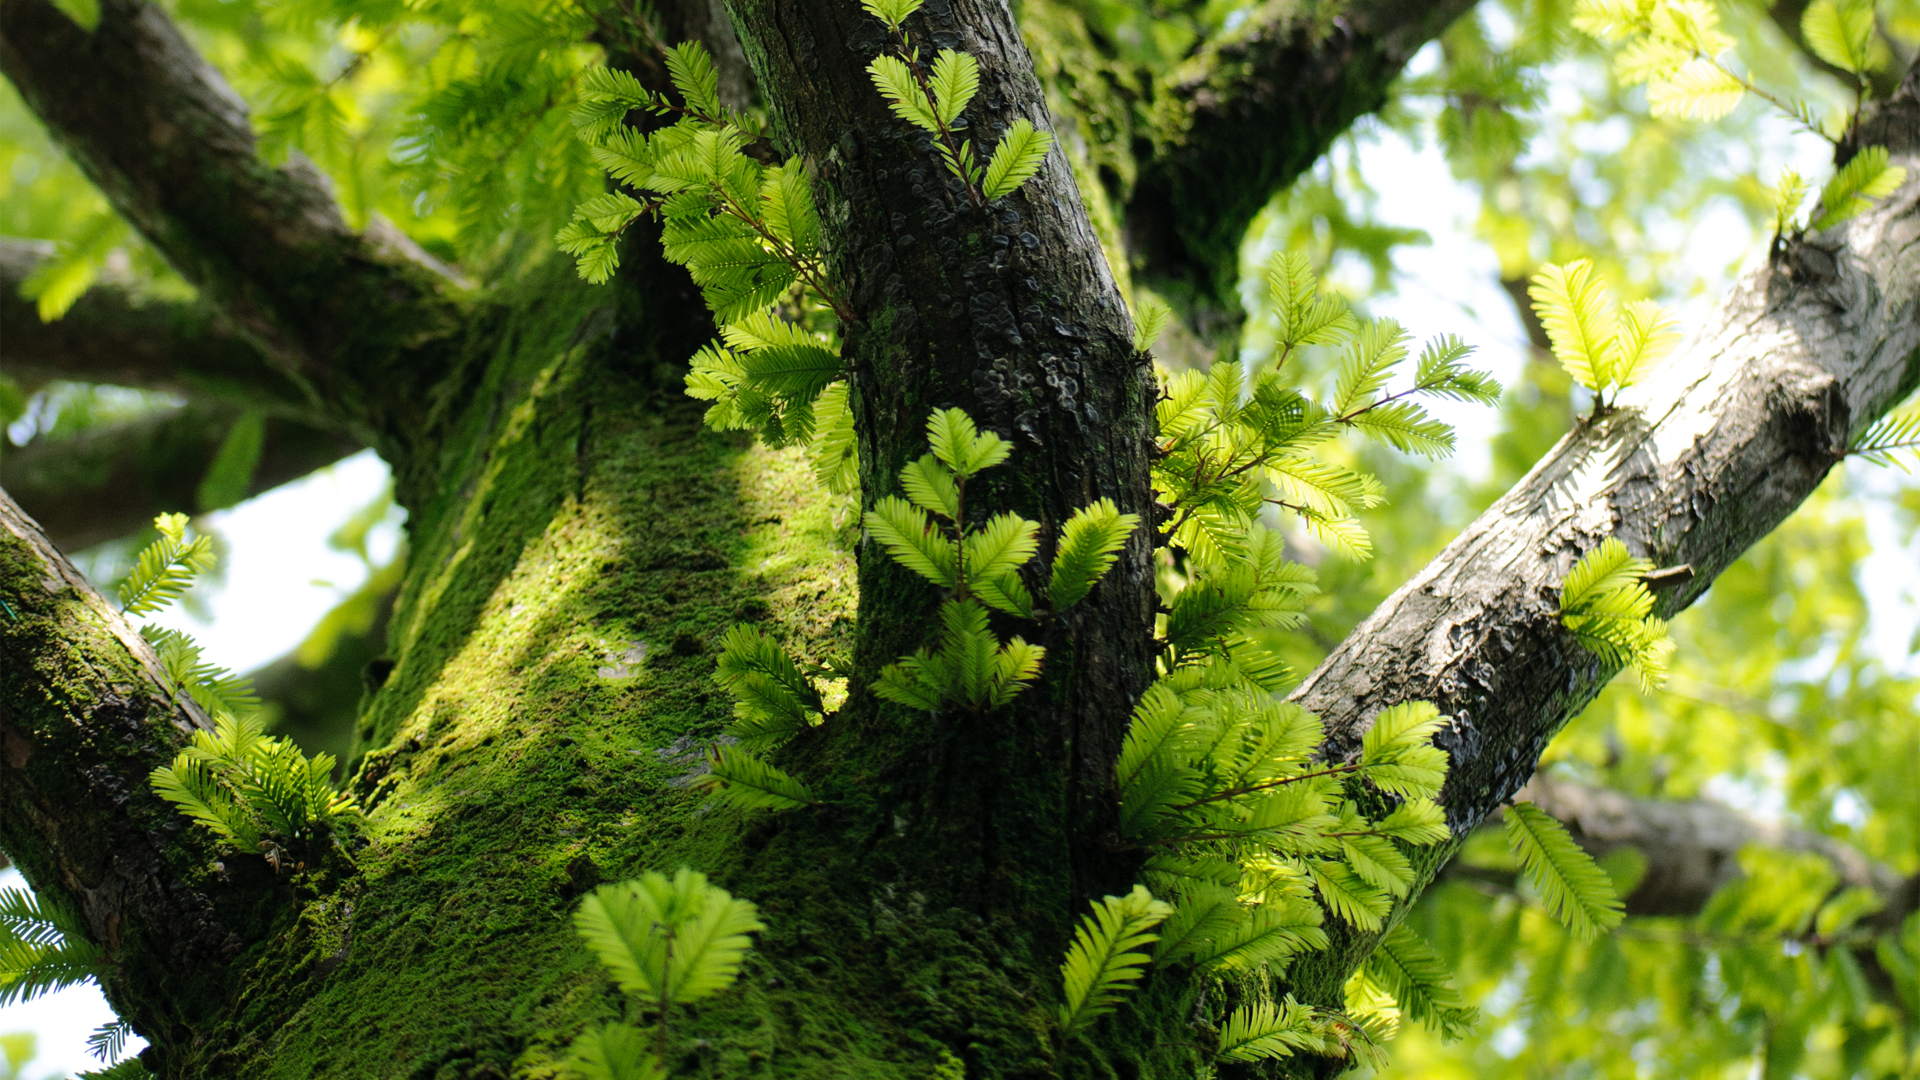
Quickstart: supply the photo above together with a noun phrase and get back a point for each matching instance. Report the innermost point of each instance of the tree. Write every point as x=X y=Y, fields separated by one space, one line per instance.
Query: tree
x=580 y=543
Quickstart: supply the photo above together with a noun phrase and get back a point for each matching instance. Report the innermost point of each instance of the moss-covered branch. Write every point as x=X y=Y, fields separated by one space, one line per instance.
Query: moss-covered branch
x=84 y=718
x=1189 y=154
x=345 y=315
x=114 y=335
x=108 y=482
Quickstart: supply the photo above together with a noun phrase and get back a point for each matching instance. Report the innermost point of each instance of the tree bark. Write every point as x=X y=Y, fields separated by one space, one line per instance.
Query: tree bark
x=1709 y=455
x=105 y=483
x=113 y=335
x=580 y=542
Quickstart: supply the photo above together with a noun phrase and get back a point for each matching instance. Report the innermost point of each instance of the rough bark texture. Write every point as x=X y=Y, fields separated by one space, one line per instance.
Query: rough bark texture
x=579 y=543
x=169 y=143
x=1714 y=451
x=85 y=716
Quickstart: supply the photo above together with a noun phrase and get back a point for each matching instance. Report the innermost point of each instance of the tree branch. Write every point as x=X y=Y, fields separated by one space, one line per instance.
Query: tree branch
x=113 y=335
x=1191 y=152
x=108 y=482
x=169 y=144
x=1692 y=848
x=1706 y=457
x=84 y=718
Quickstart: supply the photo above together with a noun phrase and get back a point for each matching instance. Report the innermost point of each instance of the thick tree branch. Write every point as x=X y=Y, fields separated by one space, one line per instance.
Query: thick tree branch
x=168 y=142
x=105 y=483
x=1252 y=110
x=84 y=718
x=1713 y=452
x=1693 y=848
x=113 y=335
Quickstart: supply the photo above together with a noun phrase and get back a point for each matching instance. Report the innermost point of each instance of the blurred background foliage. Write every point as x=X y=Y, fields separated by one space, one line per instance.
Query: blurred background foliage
x=1794 y=686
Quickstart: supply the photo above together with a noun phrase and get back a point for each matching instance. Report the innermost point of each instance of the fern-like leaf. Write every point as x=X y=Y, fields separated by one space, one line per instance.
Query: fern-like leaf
x=1842 y=33
x=1572 y=305
x=910 y=536
x=615 y=1051
x=1857 y=185
x=165 y=568
x=1265 y=1029
x=740 y=779
x=891 y=12
x=1148 y=324
x=1107 y=955
x=1699 y=89
x=1413 y=972
x=668 y=941
x=1019 y=155
x=108 y=1040
x=964 y=448
x=1571 y=885
x=1090 y=542
x=694 y=75
x=1788 y=195
x=835 y=453
x=1888 y=439
x=896 y=83
x=955 y=79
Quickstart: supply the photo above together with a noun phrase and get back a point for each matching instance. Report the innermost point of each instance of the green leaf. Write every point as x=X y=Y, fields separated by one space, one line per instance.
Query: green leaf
x=43 y=947
x=1647 y=335
x=1788 y=195
x=1413 y=972
x=1843 y=34
x=929 y=485
x=695 y=77
x=1346 y=895
x=1698 y=90
x=84 y=12
x=891 y=12
x=1001 y=546
x=835 y=452
x=1090 y=542
x=895 y=81
x=772 y=697
x=1304 y=316
x=955 y=79
x=1573 y=306
x=108 y=1040
x=1887 y=438
x=965 y=449
x=58 y=282
x=1571 y=885
x=607 y=95
x=786 y=206
x=668 y=941
x=1869 y=177
x=1440 y=373
x=1149 y=322
x=230 y=476
x=1368 y=363
x=1106 y=956
x=1269 y=934
x=738 y=778
x=1265 y=1029
x=1018 y=156
x=910 y=536
x=614 y=1052
x=165 y=568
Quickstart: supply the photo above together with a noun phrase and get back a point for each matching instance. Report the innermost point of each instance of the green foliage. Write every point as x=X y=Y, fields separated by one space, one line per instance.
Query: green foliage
x=1602 y=350
x=255 y=792
x=214 y=688
x=1269 y=1029
x=744 y=781
x=58 y=282
x=108 y=1040
x=1574 y=888
x=929 y=533
x=1237 y=438
x=1413 y=972
x=666 y=942
x=1890 y=439
x=1843 y=35
x=165 y=568
x=1857 y=185
x=1607 y=606
x=931 y=97
x=1149 y=322
x=43 y=947
x=130 y=1069
x=1106 y=956
x=231 y=473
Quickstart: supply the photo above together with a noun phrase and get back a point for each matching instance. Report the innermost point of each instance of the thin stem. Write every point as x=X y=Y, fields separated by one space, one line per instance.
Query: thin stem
x=954 y=160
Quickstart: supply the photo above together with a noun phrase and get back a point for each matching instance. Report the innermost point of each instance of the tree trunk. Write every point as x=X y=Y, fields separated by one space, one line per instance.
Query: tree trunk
x=579 y=542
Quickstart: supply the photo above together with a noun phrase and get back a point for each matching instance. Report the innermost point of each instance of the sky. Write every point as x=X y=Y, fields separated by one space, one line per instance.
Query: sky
x=280 y=576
